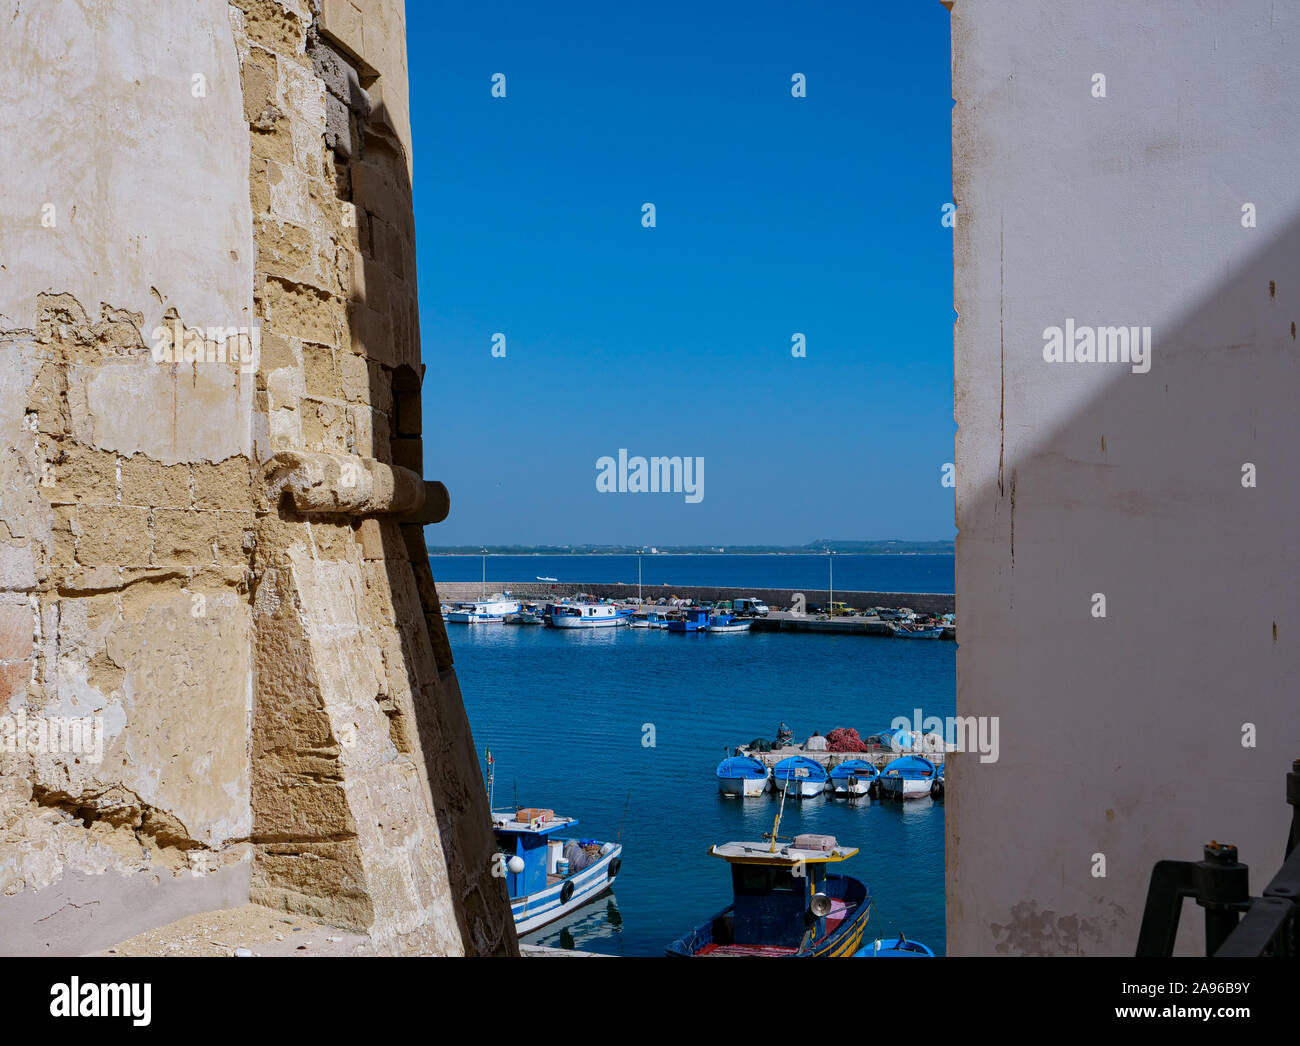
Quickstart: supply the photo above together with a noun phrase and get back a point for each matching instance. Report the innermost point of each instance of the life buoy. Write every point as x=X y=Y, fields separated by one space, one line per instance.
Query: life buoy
x=614 y=866
x=566 y=891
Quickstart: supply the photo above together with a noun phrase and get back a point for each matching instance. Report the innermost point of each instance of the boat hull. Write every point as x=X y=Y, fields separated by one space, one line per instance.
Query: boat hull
x=746 y=787
x=800 y=788
x=905 y=787
x=535 y=910
x=590 y=622
x=861 y=786
x=845 y=942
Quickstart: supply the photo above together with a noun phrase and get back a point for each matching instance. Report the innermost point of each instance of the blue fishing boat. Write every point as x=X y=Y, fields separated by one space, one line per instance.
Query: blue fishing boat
x=548 y=877
x=895 y=947
x=801 y=776
x=785 y=903
x=909 y=777
x=853 y=777
x=743 y=775
x=916 y=632
x=724 y=623
x=692 y=619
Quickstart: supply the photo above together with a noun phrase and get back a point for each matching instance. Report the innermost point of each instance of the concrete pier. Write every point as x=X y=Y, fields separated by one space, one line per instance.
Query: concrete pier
x=877 y=758
x=936 y=603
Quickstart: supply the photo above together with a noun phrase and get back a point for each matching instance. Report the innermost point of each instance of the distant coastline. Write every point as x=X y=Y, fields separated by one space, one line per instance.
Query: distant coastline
x=870 y=548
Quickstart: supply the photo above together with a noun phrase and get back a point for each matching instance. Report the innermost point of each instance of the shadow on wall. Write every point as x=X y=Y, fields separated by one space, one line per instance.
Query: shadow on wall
x=1168 y=501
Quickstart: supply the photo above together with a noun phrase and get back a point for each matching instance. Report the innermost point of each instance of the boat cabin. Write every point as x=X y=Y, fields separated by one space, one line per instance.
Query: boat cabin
x=528 y=835
x=785 y=902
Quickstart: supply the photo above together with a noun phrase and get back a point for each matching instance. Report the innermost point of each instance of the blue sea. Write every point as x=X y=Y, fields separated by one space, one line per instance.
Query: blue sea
x=623 y=728
x=864 y=573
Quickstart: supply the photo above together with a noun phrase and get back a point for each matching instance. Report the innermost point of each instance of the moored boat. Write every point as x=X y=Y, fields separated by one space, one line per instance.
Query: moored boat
x=916 y=632
x=801 y=776
x=483 y=611
x=690 y=619
x=654 y=619
x=585 y=615
x=909 y=777
x=853 y=777
x=728 y=623
x=785 y=903
x=547 y=877
x=895 y=947
x=742 y=775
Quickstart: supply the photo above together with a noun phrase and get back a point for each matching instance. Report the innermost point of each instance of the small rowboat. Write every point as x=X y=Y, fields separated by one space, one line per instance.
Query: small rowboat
x=895 y=947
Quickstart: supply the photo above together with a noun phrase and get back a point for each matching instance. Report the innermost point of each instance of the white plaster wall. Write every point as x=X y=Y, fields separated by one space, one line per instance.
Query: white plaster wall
x=150 y=187
x=1122 y=736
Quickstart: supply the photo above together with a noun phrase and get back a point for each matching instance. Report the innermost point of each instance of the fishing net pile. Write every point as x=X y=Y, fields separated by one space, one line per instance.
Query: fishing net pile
x=581 y=854
x=845 y=739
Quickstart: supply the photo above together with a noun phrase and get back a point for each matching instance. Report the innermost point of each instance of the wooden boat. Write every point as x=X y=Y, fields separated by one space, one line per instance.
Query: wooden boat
x=743 y=775
x=482 y=611
x=785 y=903
x=895 y=947
x=650 y=620
x=692 y=619
x=585 y=615
x=916 y=632
x=728 y=623
x=853 y=777
x=538 y=869
x=909 y=777
x=806 y=777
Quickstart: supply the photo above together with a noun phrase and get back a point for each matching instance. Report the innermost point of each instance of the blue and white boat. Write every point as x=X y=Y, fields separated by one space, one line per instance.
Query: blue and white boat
x=691 y=619
x=721 y=622
x=800 y=776
x=483 y=611
x=743 y=775
x=909 y=777
x=654 y=619
x=853 y=777
x=916 y=632
x=585 y=615
x=548 y=877
x=895 y=947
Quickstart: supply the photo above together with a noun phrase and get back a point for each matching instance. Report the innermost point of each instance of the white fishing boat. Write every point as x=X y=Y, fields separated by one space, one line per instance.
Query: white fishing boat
x=743 y=775
x=908 y=777
x=546 y=877
x=483 y=611
x=586 y=615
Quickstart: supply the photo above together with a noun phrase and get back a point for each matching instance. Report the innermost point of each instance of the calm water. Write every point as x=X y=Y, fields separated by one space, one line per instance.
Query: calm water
x=565 y=714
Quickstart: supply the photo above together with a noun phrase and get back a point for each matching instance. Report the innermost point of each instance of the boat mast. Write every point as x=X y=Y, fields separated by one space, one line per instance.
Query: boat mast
x=776 y=825
x=482 y=592
x=638 y=578
x=830 y=563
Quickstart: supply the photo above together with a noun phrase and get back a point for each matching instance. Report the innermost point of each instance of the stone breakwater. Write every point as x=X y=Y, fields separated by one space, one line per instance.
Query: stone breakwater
x=776 y=598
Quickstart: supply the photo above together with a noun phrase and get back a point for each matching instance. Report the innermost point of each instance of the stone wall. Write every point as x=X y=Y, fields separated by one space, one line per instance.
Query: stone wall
x=220 y=560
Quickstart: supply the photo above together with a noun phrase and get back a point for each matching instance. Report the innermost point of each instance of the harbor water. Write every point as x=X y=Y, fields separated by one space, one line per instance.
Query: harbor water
x=623 y=728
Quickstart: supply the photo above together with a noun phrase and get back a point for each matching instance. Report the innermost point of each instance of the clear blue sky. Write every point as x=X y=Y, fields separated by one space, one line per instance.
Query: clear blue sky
x=775 y=215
